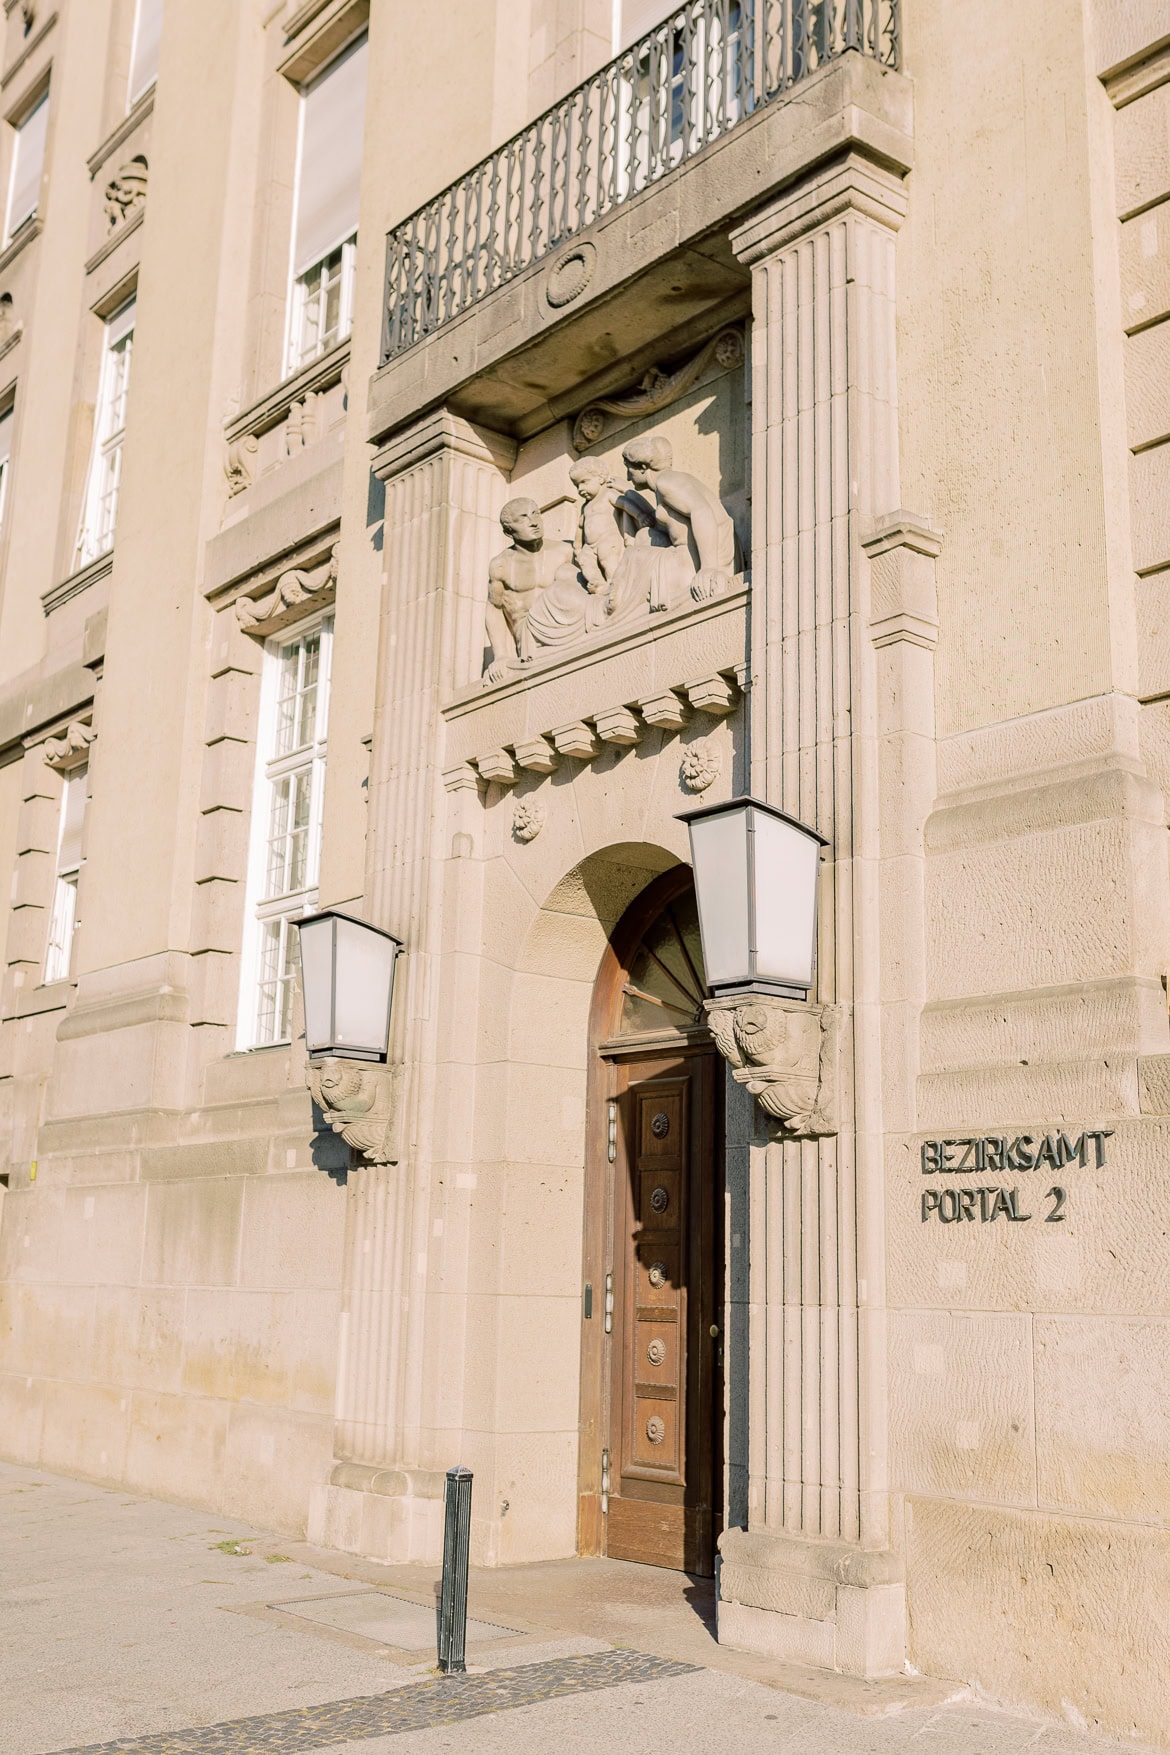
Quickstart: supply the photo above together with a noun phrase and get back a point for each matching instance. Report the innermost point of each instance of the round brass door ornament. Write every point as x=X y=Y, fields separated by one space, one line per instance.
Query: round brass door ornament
x=570 y=275
x=655 y=1429
x=660 y=1200
x=660 y=1126
x=657 y=1275
x=656 y=1352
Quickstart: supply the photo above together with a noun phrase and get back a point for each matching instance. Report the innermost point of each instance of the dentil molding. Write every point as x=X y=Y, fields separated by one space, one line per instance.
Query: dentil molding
x=784 y=1052
x=359 y=1100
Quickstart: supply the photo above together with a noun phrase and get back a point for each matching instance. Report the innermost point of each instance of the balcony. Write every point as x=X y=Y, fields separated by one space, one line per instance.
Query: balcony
x=708 y=67
x=594 y=246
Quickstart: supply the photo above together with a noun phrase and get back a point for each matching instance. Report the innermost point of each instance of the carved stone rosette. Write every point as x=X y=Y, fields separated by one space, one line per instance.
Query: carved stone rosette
x=359 y=1100
x=784 y=1051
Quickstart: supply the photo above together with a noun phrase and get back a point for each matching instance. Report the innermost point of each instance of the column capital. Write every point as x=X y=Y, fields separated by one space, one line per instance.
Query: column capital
x=441 y=431
x=852 y=184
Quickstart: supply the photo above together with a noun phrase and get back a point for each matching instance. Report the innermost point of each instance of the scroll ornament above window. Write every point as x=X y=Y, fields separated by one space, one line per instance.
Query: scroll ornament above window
x=300 y=585
x=71 y=748
x=126 y=192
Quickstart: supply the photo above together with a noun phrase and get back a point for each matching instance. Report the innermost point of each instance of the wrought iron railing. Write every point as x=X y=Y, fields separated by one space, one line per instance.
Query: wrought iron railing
x=708 y=66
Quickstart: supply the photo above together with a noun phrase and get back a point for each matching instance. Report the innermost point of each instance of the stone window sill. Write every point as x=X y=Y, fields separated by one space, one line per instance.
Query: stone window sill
x=320 y=374
x=77 y=582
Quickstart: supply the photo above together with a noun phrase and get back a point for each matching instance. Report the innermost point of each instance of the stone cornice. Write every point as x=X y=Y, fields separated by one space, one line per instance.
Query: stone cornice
x=125 y=128
x=116 y=237
x=30 y=49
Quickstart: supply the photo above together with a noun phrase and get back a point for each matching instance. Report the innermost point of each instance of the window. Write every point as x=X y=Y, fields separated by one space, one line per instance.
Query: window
x=28 y=163
x=63 y=920
x=329 y=163
x=687 y=82
x=5 y=459
x=286 y=827
x=144 y=53
x=100 y=510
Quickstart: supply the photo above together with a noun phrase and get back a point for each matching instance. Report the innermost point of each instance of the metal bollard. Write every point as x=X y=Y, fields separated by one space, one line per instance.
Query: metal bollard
x=456 y=1543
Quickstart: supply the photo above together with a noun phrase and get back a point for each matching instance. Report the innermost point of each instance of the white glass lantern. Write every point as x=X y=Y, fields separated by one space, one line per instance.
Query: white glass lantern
x=756 y=885
x=347 y=975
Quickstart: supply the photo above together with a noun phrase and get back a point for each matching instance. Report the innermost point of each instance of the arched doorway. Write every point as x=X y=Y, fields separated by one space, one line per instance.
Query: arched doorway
x=651 y=1412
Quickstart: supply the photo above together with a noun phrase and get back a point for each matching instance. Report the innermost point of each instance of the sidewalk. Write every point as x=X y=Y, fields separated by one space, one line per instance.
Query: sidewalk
x=131 y=1625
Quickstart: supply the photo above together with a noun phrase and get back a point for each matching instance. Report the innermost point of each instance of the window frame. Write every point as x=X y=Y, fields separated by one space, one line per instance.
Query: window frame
x=7 y=413
x=93 y=541
x=296 y=353
x=57 y=963
x=270 y=768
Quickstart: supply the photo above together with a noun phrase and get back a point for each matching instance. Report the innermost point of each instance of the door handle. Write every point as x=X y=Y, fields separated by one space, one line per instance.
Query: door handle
x=713 y=1331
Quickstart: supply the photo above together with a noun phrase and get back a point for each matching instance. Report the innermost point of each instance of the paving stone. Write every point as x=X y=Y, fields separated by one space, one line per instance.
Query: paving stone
x=444 y=1701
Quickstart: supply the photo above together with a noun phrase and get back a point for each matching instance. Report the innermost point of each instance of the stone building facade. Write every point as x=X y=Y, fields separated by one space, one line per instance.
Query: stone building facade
x=817 y=355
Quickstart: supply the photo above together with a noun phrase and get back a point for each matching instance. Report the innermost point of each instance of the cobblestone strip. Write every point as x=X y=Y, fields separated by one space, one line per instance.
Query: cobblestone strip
x=416 y=1707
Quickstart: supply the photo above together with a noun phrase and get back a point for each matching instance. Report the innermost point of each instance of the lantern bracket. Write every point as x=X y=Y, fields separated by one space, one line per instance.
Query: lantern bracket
x=784 y=1052
x=359 y=1099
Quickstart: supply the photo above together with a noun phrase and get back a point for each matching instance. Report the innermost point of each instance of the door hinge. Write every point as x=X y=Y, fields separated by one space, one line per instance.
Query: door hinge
x=609 y=1304
x=604 y=1482
x=612 y=1132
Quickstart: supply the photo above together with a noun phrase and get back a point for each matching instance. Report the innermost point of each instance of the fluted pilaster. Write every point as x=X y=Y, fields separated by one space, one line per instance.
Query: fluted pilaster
x=445 y=482
x=824 y=467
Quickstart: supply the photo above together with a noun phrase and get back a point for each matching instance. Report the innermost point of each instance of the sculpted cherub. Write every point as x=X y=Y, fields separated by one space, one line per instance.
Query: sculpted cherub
x=516 y=579
x=600 y=541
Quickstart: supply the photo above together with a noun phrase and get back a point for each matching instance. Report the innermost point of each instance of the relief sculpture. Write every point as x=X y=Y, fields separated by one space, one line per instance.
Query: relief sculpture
x=661 y=540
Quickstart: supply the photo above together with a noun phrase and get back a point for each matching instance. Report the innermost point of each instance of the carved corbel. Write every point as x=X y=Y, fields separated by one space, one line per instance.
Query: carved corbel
x=359 y=1100
x=784 y=1051
x=240 y=464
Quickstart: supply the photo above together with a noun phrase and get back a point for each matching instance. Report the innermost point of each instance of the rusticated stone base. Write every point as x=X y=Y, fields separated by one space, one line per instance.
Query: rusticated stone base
x=382 y=1514
x=826 y=1604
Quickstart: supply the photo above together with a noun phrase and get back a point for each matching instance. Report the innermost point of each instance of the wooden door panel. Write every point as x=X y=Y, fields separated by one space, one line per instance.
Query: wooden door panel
x=649 y=1533
x=653 y=1434
x=660 y=1500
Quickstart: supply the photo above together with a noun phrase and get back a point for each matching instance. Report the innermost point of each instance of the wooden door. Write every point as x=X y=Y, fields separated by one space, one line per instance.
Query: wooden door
x=664 y=1472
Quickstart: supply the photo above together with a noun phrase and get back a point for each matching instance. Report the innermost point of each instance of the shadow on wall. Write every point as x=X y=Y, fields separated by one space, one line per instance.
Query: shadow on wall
x=329 y=1151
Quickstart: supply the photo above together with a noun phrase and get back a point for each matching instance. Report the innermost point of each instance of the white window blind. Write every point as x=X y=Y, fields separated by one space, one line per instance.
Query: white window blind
x=144 y=55
x=330 y=159
x=28 y=163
